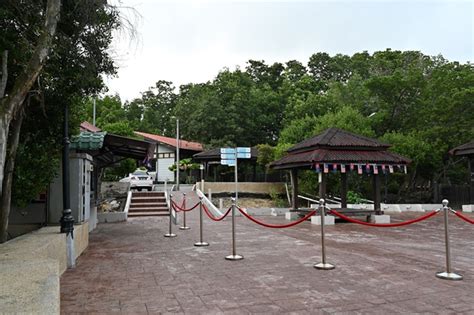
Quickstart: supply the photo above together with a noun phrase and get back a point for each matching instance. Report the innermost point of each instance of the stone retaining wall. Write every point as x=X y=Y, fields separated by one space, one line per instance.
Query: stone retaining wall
x=31 y=267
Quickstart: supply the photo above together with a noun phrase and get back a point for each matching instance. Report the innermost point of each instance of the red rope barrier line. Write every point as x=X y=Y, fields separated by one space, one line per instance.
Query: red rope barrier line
x=423 y=217
x=209 y=214
x=178 y=208
x=274 y=226
x=463 y=217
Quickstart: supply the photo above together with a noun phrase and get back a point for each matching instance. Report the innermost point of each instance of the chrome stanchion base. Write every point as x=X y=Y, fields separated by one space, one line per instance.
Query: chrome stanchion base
x=170 y=235
x=234 y=257
x=448 y=276
x=201 y=244
x=184 y=227
x=322 y=266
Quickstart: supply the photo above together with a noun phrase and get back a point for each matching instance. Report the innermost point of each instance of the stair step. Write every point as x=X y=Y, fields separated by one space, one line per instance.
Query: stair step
x=148 y=199
x=148 y=214
x=148 y=204
x=149 y=194
x=145 y=209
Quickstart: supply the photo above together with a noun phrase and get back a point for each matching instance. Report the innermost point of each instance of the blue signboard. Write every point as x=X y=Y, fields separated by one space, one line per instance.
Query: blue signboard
x=228 y=156
x=228 y=162
x=243 y=150
x=243 y=155
x=228 y=150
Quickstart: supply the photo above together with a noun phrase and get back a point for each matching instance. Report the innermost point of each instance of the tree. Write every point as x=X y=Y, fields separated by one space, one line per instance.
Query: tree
x=14 y=92
x=78 y=57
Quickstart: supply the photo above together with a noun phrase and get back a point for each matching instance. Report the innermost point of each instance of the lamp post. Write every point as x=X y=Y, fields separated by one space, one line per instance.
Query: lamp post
x=67 y=220
x=177 y=154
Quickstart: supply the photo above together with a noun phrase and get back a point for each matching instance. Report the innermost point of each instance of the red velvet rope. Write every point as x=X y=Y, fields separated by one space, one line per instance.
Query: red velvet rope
x=178 y=208
x=209 y=214
x=424 y=217
x=273 y=226
x=463 y=217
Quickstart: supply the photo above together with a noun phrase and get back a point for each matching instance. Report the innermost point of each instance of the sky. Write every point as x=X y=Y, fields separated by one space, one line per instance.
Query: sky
x=186 y=41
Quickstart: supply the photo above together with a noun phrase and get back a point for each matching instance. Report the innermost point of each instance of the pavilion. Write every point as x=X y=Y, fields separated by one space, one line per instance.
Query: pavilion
x=337 y=150
x=467 y=150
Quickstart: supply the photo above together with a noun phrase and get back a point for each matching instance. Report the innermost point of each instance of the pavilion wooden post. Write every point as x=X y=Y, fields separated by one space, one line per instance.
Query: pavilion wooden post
x=471 y=176
x=294 y=188
x=322 y=186
x=377 y=195
x=343 y=190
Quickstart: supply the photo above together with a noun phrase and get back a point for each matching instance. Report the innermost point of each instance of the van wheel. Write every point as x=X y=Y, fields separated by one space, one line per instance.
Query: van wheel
x=139 y=189
x=149 y=188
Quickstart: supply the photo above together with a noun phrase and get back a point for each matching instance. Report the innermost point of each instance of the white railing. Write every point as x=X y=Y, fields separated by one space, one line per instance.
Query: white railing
x=210 y=205
x=168 y=203
x=127 y=203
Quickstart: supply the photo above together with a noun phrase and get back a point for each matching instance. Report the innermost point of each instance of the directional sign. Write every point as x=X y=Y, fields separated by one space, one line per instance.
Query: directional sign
x=243 y=155
x=243 y=150
x=228 y=150
x=228 y=156
x=228 y=162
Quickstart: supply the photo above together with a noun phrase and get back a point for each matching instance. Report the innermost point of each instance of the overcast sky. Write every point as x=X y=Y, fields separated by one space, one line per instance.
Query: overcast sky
x=190 y=41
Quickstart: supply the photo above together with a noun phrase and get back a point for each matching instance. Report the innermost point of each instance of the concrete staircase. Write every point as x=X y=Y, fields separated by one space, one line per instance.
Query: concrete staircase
x=145 y=204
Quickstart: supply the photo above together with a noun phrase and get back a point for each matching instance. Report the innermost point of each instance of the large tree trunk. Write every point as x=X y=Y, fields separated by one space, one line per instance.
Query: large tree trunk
x=5 y=201
x=12 y=104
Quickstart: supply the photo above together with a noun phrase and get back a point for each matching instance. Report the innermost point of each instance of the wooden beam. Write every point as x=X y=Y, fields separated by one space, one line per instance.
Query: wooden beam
x=294 y=188
x=377 y=196
x=322 y=185
x=343 y=190
x=471 y=174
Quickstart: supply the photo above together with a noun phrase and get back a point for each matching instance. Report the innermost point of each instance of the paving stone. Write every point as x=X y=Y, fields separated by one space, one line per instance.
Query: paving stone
x=131 y=268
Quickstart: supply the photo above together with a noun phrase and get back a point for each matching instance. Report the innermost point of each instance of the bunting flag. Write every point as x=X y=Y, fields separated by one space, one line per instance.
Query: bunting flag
x=359 y=169
x=317 y=168
x=326 y=168
x=367 y=168
x=405 y=169
x=334 y=168
x=383 y=168
x=390 y=168
x=352 y=166
x=376 y=168
x=343 y=168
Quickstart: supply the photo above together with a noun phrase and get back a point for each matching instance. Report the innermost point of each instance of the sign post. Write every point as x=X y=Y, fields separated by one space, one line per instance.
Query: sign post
x=229 y=157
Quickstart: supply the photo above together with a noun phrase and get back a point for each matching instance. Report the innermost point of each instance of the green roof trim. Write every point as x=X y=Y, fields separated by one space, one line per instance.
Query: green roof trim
x=88 y=141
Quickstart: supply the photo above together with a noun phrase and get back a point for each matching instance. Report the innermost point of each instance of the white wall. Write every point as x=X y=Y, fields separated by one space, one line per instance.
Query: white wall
x=163 y=173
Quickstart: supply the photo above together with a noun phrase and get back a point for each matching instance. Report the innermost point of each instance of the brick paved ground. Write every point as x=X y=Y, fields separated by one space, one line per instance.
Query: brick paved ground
x=131 y=268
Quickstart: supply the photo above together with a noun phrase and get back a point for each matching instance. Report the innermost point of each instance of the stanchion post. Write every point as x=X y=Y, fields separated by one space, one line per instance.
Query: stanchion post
x=170 y=231
x=447 y=275
x=201 y=242
x=323 y=265
x=234 y=255
x=184 y=227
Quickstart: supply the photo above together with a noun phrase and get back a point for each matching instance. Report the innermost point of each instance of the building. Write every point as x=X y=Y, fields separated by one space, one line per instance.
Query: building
x=165 y=153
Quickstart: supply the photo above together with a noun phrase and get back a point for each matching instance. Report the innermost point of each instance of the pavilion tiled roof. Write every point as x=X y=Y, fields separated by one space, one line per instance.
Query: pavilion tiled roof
x=183 y=144
x=464 y=149
x=335 y=137
x=338 y=146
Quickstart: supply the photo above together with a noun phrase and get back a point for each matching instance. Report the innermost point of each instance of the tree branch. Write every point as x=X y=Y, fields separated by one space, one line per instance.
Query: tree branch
x=26 y=80
x=3 y=82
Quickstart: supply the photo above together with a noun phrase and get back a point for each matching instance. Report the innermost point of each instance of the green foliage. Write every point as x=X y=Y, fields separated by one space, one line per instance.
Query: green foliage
x=121 y=170
x=354 y=197
x=74 y=70
x=120 y=128
x=266 y=154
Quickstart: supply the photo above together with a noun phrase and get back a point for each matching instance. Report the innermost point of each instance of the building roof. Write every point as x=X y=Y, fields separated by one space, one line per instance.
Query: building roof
x=464 y=149
x=338 y=146
x=183 y=144
x=215 y=155
x=87 y=126
x=334 y=138
x=109 y=148
x=88 y=141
